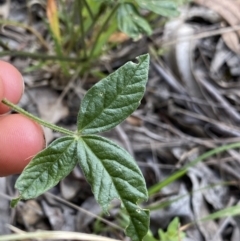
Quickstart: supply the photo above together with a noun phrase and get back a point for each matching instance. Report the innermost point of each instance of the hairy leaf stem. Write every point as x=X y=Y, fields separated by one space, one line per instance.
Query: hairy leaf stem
x=38 y=120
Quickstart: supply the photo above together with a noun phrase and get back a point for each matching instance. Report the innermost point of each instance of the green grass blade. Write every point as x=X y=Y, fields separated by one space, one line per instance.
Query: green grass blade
x=183 y=171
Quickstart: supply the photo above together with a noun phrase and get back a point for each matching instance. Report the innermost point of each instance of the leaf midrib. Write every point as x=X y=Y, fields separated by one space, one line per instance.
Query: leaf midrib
x=38 y=176
x=112 y=178
x=138 y=65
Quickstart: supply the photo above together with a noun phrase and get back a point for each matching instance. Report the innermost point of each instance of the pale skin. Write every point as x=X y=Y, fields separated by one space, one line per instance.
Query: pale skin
x=20 y=138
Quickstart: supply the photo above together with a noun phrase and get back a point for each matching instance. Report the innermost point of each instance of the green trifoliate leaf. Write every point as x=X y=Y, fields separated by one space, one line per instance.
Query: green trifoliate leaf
x=130 y=22
x=112 y=173
x=165 y=8
x=47 y=168
x=114 y=98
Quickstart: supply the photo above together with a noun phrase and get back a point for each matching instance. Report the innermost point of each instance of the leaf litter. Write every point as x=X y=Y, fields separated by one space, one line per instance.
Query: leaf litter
x=191 y=105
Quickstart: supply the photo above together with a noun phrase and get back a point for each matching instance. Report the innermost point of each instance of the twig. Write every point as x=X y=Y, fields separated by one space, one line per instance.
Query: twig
x=201 y=35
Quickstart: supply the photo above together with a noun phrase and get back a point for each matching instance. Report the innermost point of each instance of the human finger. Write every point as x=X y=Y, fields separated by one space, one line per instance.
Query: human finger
x=20 y=140
x=1 y=89
x=11 y=85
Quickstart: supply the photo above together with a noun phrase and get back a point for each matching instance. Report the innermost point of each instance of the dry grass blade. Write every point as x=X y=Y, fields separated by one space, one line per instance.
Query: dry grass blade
x=83 y=210
x=52 y=14
x=55 y=235
x=229 y=10
x=111 y=224
x=201 y=35
x=5 y=22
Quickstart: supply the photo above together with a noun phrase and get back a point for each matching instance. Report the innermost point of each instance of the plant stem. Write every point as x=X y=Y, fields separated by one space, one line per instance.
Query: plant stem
x=55 y=235
x=82 y=38
x=39 y=56
x=38 y=120
x=102 y=29
x=88 y=9
x=3 y=45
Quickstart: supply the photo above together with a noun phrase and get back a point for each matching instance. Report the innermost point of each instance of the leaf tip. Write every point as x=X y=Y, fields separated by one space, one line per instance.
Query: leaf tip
x=15 y=201
x=138 y=229
x=143 y=57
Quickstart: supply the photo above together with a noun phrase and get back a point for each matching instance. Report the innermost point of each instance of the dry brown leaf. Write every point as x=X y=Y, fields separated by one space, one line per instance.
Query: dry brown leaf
x=232 y=41
x=50 y=109
x=69 y=187
x=200 y=209
x=54 y=215
x=31 y=212
x=118 y=37
x=4 y=9
x=229 y=10
x=135 y=121
x=52 y=14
